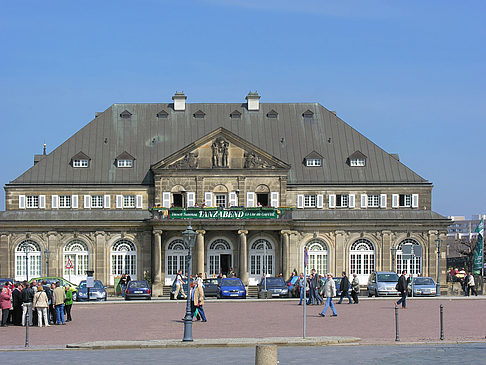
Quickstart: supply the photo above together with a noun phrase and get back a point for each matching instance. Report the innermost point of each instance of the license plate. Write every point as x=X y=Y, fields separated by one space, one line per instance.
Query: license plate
x=233 y=295
x=138 y=292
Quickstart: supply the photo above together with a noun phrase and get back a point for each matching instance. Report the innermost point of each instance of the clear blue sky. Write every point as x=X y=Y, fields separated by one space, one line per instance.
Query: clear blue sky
x=409 y=75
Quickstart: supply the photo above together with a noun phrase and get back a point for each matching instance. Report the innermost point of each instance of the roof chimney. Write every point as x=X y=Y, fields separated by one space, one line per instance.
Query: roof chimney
x=253 y=101
x=179 y=101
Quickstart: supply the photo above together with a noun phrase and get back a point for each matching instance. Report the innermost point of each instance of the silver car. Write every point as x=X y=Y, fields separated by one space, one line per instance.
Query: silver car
x=381 y=283
x=422 y=286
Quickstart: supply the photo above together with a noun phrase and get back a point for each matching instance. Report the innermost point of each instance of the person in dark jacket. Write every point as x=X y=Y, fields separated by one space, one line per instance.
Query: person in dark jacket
x=312 y=288
x=27 y=300
x=402 y=288
x=17 y=304
x=344 y=286
x=48 y=291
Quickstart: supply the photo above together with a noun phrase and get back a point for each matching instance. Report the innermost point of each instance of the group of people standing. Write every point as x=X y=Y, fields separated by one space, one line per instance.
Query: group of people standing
x=19 y=302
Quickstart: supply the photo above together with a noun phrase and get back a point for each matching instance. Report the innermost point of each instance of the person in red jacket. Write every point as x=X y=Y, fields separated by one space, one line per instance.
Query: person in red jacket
x=5 y=296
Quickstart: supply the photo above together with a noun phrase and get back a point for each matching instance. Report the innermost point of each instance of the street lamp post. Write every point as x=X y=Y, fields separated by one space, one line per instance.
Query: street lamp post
x=47 y=253
x=438 y=243
x=189 y=237
x=394 y=253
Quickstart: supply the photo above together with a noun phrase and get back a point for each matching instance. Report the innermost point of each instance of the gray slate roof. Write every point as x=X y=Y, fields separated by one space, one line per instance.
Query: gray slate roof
x=149 y=139
x=366 y=214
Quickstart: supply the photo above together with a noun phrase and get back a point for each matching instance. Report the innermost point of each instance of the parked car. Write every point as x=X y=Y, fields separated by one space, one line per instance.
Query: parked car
x=276 y=286
x=211 y=287
x=382 y=283
x=293 y=286
x=54 y=279
x=231 y=288
x=138 y=289
x=422 y=286
x=97 y=292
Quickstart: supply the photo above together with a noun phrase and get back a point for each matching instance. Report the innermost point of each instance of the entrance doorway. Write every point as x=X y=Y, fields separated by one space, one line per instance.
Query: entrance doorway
x=220 y=257
x=225 y=261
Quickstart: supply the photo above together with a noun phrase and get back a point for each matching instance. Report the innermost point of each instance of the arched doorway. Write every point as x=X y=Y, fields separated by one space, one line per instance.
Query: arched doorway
x=176 y=259
x=262 y=260
x=220 y=257
x=362 y=259
x=123 y=260
x=28 y=253
x=412 y=266
x=317 y=257
x=77 y=254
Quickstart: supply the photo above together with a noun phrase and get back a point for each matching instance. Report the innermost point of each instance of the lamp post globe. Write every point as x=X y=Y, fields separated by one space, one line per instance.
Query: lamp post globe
x=189 y=238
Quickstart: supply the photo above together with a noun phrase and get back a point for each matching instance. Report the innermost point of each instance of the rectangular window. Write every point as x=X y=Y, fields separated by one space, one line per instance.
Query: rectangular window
x=342 y=200
x=96 y=201
x=313 y=162
x=80 y=163
x=124 y=163
x=128 y=201
x=310 y=201
x=64 y=201
x=358 y=162
x=405 y=200
x=220 y=200
x=32 y=201
x=373 y=201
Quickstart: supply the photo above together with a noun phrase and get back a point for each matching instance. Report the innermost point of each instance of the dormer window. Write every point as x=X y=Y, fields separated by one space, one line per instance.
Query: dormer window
x=124 y=160
x=162 y=114
x=125 y=114
x=235 y=115
x=308 y=116
x=313 y=159
x=199 y=114
x=357 y=159
x=272 y=114
x=80 y=160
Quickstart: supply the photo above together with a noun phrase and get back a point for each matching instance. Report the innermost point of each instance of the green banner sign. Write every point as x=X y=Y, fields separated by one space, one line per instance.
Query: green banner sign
x=223 y=214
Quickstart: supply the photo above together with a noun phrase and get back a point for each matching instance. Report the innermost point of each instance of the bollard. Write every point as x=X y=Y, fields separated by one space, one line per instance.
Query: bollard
x=266 y=355
x=442 y=322
x=27 y=319
x=397 y=337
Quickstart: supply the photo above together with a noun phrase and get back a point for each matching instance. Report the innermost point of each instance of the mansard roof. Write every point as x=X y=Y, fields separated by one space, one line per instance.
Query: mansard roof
x=288 y=138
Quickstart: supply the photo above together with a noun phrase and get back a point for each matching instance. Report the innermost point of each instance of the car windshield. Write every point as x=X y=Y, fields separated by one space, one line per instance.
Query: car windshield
x=423 y=281
x=210 y=281
x=231 y=282
x=389 y=278
x=138 y=284
x=97 y=285
x=275 y=281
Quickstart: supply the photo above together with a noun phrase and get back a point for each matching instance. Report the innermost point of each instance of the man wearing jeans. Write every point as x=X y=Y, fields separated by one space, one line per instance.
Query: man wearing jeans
x=329 y=292
x=402 y=287
x=59 y=297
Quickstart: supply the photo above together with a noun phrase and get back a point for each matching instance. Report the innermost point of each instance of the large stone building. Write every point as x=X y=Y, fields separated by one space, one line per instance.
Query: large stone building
x=90 y=201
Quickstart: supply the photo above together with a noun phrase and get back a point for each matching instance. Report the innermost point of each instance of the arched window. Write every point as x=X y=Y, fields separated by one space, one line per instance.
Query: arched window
x=362 y=259
x=28 y=253
x=75 y=261
x=414 y=265
x=317 y=257
x=262 y=259
x=220 y=257
x=123 y=259
x=176 y=259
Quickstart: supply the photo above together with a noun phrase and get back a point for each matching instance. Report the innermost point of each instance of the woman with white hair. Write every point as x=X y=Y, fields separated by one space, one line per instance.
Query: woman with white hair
x=355 y=289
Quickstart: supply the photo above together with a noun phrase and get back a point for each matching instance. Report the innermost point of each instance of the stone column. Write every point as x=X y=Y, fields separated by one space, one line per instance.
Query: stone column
x=200 y=251
x=158 y=285
x=339 y=258
x=51 y=236
x=243 y=257
x=285 y=253
x=387 y=261
x=4 y=256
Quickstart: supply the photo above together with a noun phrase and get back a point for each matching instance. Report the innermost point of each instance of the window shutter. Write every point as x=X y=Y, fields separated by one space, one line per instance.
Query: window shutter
x=300 y=201
x=55 y=201
x=332 y=200
x=320 y=201
x=395 y=200
x=208 y=199
x=74 y=201
x=415 y=200
x=119 y=201
x=107 y=202
x=191 y=199
x=166 y=199
x=21 y=201
x=87 y=201
x=138 y=201
x=250 y=199
x=233 y=200
x=352 y=200
x=42 y=201
x=364 y=201
x=382 y=200
x=274 y=199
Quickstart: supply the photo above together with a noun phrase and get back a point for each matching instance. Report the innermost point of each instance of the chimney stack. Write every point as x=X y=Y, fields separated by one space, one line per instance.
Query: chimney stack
x=253 y=101
x=179 y=101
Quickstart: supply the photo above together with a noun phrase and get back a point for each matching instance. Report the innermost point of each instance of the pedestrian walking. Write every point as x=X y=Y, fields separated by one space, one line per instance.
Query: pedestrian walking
x=355 y=288
x=59 y=297
x=5 y=303
x=344 y=286
x=329 y=291
x=197 y=300
x=312 y=287
x=123 y=284
x=402 y=288
x=179 y=285
x=41 y=303
x=471 y=285
x=68 y=303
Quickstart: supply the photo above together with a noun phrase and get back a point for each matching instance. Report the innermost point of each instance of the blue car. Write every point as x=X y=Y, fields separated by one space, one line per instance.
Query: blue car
x=98 y=292
x=138 y=289
x=231 y=288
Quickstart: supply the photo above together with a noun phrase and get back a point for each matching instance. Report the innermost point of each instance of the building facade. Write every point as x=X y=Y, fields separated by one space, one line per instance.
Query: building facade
x=258 y=182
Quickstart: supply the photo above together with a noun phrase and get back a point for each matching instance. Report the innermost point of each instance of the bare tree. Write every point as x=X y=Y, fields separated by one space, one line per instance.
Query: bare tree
x=466 y=248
